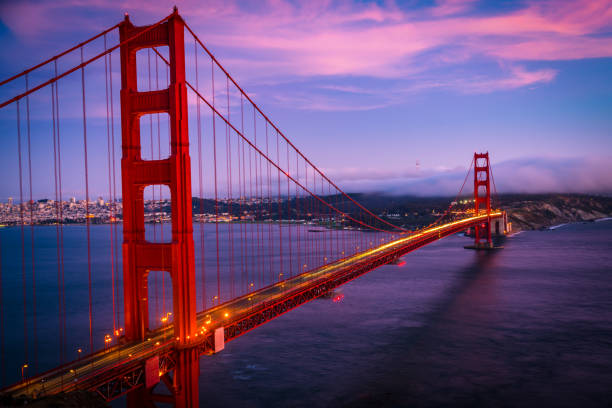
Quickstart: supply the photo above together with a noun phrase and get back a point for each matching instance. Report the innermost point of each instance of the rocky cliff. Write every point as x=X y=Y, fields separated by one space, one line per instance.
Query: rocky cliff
x=535 y=212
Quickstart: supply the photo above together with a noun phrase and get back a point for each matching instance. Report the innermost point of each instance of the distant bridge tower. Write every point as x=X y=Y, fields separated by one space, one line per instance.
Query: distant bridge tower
x=139 y=256
x=482 y=198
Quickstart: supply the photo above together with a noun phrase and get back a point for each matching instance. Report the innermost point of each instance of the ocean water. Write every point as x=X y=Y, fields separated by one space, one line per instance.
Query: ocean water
x=526 y=325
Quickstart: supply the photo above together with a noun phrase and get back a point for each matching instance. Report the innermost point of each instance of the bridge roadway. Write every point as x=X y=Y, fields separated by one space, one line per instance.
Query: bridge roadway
x=120 y=368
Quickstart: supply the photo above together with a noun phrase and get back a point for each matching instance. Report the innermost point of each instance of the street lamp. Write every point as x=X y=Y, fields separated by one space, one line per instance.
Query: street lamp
x=23 y=367
x=79 y=351
x=107 y=340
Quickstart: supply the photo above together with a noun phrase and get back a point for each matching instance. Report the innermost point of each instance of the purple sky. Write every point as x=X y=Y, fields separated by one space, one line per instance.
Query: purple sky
x=368 y=89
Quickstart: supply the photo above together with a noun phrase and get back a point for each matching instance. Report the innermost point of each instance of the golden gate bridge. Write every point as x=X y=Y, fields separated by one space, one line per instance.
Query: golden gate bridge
x=282 y=232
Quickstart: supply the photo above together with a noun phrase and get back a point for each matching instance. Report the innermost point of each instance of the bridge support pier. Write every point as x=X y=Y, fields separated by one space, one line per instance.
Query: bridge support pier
x=186 y=377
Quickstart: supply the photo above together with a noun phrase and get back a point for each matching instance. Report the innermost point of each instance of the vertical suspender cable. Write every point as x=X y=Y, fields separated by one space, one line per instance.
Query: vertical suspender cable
x=110 y=192
x=280 y=212
x=242 y=194
x=212 y=71
x=200 y=182
x=35 y=340
x=114 y=201
x=57 y=228
x=87 y=223
x=61 y=213
x=21 y=222
x=296 y=223
x=289 y=214
x=269 y=186
x=252 y=240
x=258 y=202
x=228 y=152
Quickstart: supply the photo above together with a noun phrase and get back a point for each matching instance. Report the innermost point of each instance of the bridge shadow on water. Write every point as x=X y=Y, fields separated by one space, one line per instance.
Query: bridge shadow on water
x=433 y=364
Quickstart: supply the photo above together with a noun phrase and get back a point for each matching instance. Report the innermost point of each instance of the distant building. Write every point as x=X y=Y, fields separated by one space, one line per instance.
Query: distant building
x=72 y=200
x=10 y=201
x=100 y=201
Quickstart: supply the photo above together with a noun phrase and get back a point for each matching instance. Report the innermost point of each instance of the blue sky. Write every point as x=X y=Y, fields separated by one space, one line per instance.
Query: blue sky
x=368 y=89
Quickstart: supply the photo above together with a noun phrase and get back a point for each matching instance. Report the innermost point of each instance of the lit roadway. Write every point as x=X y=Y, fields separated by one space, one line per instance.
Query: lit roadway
x=89 y=368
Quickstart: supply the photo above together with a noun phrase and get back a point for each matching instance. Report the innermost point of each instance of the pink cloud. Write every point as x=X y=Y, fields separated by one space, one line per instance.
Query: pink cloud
x=450 y=7
x=279 y=40
x=517 y=77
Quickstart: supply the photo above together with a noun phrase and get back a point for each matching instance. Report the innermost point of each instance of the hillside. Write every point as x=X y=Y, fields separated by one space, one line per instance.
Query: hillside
x=535 y=212
x=526 y=212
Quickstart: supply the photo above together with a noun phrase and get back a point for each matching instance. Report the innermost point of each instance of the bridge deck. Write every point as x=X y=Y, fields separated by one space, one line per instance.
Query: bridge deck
x=119 y=369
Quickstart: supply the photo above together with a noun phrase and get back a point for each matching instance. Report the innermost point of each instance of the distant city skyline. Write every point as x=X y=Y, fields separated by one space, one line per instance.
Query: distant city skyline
x=383 y=96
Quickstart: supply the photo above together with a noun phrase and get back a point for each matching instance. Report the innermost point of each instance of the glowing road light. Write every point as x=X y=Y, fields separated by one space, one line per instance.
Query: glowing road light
x=226 y=315
x=23 y=367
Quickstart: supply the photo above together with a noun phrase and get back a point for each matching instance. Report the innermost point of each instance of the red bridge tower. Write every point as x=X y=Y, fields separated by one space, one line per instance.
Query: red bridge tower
x=482 y=198
x=140 y=256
